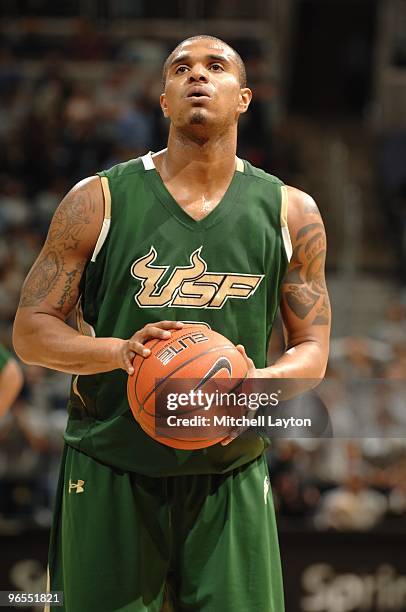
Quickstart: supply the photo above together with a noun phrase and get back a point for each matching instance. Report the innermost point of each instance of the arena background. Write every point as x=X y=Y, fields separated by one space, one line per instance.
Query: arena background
x=79 y=87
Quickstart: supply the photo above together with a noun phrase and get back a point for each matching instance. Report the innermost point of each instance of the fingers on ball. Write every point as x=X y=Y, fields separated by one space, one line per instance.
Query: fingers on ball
x=168 y=324
x=157 y=332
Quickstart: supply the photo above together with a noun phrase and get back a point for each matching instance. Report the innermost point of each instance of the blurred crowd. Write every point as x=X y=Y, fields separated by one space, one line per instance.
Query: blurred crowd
x=354 y=478
x=68 y=110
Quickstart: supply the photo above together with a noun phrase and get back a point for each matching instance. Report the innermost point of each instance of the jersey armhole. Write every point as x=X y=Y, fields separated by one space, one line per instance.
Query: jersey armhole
x=107 y=217
x=287 y=243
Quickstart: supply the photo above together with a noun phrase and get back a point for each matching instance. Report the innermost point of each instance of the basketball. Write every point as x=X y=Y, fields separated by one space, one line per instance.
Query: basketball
x=194 y=356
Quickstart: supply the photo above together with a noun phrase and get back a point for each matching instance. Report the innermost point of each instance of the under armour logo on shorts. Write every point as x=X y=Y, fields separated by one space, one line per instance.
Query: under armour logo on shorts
x=267 y=484
x=76 y=485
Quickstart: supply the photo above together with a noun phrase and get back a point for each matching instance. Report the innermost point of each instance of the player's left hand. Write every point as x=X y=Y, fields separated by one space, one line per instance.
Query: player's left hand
x=253 y=372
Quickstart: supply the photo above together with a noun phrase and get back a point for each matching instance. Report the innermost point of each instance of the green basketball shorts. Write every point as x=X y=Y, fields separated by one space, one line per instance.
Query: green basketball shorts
x=125 y=542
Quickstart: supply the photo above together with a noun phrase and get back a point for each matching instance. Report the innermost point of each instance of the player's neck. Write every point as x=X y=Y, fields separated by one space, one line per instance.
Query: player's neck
x=206 y=163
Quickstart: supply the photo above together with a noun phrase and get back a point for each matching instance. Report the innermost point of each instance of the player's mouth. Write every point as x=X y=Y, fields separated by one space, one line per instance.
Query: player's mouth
x=198 y=94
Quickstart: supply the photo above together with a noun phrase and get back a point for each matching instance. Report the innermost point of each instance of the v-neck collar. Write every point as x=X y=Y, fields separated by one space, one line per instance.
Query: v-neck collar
x=167 y=199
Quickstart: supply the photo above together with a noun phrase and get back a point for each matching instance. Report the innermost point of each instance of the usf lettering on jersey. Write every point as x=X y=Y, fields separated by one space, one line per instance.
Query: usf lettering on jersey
x=153 y=262
x=189 y=286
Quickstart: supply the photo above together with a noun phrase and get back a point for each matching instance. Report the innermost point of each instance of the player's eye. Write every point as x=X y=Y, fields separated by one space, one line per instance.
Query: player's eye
x=181 y=69
x=216 y=67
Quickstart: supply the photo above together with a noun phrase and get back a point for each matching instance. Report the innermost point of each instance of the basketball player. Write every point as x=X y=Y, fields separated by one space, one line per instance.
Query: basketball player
x=11 y=380
x=191 y=233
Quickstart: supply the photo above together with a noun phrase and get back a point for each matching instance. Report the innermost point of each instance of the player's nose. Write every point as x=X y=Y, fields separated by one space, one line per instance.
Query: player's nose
x=198 y=73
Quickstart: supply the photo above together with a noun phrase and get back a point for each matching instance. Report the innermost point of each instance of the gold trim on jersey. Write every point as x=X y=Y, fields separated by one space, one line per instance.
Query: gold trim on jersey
x=85 y=328
x=76 y=390
x=107 y=196
x=107 y=217
x=284 y=222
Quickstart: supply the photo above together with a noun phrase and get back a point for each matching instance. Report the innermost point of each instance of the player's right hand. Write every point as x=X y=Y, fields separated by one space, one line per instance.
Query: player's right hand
x=128 y=349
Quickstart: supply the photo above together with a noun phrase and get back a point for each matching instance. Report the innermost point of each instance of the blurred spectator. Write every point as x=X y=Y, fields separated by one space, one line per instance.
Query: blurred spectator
x=392 y=329
x=133 y=129
x=351 y=506
x=358 y=357
x=31 y=442
x=397 y=499
x=294 y=494
x=14 y=211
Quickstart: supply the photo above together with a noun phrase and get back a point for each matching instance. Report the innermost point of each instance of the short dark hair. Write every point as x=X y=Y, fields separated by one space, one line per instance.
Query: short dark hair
x=239 y=61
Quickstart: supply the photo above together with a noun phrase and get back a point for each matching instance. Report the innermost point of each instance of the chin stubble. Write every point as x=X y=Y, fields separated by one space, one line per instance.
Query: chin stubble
x=197 y=118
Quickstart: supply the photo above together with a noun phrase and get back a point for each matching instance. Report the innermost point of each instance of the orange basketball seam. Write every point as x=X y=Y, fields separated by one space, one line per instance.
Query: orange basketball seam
x=181 y=366
x=186 y=412
x=138 y=373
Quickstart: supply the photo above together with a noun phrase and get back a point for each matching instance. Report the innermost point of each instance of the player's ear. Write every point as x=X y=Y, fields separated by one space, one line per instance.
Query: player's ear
x=245 y=99
x=164 y=106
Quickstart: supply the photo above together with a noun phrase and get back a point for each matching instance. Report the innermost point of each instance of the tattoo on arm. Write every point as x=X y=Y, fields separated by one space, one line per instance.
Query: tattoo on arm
x=70 y=220
x=41 y=279
x=304 y=286
x=65 y=234
x=70 y=294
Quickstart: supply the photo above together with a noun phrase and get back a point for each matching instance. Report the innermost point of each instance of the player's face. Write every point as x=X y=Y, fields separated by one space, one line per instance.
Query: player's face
x=203 y=86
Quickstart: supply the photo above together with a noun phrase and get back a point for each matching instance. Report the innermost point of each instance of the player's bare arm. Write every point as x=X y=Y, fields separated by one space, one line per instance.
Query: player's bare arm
x=51 y=290
x=11 y=382
x=305 y=304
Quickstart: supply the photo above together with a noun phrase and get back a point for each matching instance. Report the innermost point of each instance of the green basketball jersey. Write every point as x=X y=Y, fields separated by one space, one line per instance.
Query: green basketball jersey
x=154 y=262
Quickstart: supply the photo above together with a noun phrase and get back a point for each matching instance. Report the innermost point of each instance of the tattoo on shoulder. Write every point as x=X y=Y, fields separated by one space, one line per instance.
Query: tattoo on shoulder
x=65 y=234
x=309 y=228
x=304 y=287
x=71 y=219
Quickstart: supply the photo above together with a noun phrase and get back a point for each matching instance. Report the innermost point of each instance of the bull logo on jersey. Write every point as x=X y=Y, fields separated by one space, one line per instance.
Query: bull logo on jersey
x=189 y=286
